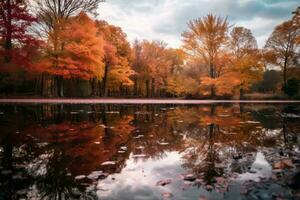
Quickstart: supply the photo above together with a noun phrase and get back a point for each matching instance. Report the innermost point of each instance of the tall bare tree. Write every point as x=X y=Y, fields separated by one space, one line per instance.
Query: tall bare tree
x=242 y=42
x=50 y=12
x=283 y=42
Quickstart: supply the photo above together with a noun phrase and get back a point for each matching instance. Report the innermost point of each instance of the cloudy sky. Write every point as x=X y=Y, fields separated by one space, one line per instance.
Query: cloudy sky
x=166 y=19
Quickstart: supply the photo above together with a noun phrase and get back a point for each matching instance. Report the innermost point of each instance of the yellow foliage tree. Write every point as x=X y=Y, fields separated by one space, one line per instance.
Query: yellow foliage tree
x=206 y=38
x=118 y=58
x=246 y=59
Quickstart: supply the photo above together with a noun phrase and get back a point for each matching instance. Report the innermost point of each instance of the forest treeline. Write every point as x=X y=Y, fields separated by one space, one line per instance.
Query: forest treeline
x=57 y=48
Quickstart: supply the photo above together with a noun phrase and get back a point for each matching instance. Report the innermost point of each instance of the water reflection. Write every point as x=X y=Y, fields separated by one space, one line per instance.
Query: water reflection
x=121 y=151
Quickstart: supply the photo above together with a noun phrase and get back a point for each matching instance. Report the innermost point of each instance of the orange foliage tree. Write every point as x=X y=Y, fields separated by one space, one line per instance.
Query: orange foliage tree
x=81 y=51
x=154 y=63
x=52 y=14
x=118 y=58
x=230 y=61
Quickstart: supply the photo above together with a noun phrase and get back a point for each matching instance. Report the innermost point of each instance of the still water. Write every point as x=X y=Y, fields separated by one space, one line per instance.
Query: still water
x=115 y=152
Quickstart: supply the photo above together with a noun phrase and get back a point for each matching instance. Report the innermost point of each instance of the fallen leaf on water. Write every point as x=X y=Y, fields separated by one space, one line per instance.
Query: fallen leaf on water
x=202 y=197
x=283 y=164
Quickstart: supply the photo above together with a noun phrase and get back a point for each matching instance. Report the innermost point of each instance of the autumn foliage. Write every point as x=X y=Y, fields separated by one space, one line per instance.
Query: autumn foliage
x=58 y=47
x=17 y=45
x=81 y=51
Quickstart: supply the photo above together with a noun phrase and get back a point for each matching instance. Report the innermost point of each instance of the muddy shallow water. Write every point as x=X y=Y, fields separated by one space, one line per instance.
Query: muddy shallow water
x=230 y=151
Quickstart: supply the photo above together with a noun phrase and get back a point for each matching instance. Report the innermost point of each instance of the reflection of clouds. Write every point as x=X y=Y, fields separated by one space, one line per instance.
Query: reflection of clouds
x=38 y=167
x=273 y=133
x=261 y=167
x=139 y=178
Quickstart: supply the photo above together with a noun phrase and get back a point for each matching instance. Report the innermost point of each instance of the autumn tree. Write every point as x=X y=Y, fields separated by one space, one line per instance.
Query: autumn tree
x=118 y=58
x=153 y=64
x=52 y=14
x=206 y=38
x=179 y=83
x=15 y=22
x=245 y=57
x=82 y=54
x=137 y=65
x=18 y=47
x=283 y=42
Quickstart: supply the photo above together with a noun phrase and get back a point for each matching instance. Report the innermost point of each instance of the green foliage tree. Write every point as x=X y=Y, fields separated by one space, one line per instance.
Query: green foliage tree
x=292 y=87
x=269 y=83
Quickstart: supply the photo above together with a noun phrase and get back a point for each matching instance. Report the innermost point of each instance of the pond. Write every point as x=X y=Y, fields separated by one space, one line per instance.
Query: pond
x=113 y=152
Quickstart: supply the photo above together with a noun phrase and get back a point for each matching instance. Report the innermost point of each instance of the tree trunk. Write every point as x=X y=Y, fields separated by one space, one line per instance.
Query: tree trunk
x=42 y=85
x=241 y=93
x=99 y=89
x=153 y=88
x=8 y=34
x=212 y=92
x=284 y=76
x=212 y=75
x=285 y=68
x=121 y=89
x=93 y=87
x=60 y=86
x=104 y=81
x=135 y=87
x=148 y=88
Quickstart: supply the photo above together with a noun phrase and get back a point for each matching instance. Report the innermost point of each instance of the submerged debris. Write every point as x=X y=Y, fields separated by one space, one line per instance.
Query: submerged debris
x=286 y=163
x=163 y=182
x=190 y=177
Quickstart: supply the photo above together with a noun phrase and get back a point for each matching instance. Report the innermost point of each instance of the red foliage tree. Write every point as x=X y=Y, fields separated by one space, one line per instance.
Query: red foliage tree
x=16 y=42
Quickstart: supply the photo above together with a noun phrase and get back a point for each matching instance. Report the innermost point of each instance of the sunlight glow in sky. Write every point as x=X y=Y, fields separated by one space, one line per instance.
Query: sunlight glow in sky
x=166 y=19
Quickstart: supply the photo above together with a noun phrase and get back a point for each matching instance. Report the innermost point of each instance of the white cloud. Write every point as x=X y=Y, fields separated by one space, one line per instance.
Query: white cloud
x=141 y=24
x=166 y=19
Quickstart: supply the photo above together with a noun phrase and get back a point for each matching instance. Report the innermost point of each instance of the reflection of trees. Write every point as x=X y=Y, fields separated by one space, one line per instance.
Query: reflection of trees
x=158 y=134
x=13 y=155
x=223 y=134
x=57 y=183
x=290 y=127
x=278 y=119
x=7 y=163
x=79 y=138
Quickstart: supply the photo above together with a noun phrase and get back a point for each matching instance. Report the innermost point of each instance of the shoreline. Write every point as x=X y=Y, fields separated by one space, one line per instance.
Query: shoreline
x=136 y=101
